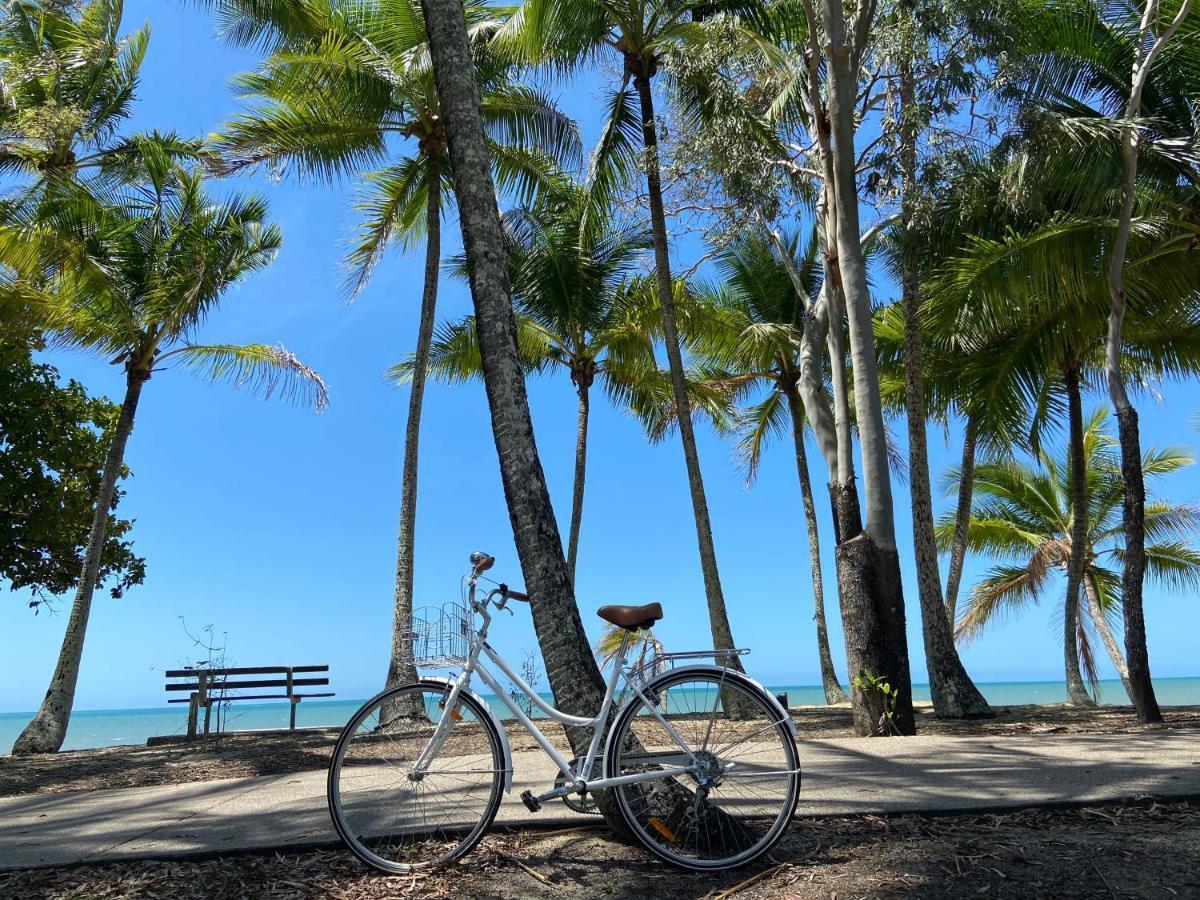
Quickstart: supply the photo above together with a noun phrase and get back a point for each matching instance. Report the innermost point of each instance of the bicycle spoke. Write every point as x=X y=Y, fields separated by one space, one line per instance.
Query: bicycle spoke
x=396 y=817
x=711 y=817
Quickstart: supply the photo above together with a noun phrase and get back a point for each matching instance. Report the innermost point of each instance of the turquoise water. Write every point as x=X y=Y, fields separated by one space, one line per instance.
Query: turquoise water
x=112 y=727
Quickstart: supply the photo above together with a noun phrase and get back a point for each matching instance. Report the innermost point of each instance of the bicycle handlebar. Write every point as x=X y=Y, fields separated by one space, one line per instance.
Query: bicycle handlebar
x=480 y=563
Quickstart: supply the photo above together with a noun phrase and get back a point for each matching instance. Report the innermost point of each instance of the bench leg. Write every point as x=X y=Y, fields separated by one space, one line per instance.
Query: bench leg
x=292 y=722
x=193 y=709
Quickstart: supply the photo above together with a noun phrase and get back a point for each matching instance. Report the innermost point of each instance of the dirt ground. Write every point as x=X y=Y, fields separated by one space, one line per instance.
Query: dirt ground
x=234 y=756
x=1109 y=851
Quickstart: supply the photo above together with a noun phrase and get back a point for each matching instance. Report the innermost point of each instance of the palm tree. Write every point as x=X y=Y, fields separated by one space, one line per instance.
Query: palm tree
x=570 y=667
x=643 y=646
x=570 y=265
x=69 y=85
x=1026 y=297
x=1022 y=515
x=751 y=343
x=1095 y=65
x=566 y=34
x=132 y=274
x=348 y=91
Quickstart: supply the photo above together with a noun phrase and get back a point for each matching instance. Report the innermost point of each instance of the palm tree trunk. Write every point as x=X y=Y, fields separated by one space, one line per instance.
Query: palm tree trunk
x=954 y=694
x=1141 y=688
x=401 y=668
x=717 y=614
x=45 y=733
x=873 y=600
x=829 y=680
x=962 y=518
x=1076 y=690
x=581 y=434
x=1110 y=643
x=1134 y=508
x=570 y=667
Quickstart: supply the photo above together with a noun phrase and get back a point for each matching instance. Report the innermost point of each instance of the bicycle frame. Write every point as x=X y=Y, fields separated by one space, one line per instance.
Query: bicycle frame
x=574 y=781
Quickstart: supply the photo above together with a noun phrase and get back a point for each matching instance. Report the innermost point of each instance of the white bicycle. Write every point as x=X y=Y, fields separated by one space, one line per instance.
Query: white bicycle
x=700 y=760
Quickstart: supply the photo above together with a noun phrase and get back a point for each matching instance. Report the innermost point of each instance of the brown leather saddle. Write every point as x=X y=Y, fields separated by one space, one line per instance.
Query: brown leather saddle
x=631 y=618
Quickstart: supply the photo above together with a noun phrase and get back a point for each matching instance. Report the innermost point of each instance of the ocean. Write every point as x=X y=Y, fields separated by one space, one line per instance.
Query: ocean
x=112 y=727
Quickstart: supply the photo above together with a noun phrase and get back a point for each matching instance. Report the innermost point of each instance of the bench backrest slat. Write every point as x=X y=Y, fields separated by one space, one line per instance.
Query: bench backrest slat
x=222 y=685
x=245 y=670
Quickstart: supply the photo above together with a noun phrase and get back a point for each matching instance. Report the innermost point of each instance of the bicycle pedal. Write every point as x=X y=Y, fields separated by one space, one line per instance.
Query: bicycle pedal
x=531 y=802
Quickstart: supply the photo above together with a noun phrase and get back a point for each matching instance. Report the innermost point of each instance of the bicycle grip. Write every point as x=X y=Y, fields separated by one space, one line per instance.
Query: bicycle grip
x=517 y=595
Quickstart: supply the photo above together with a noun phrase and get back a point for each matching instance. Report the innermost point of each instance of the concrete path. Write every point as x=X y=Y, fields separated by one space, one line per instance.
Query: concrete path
x=922 y=774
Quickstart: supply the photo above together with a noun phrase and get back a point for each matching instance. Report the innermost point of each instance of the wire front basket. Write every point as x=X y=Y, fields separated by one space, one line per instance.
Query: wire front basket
x=441 y=636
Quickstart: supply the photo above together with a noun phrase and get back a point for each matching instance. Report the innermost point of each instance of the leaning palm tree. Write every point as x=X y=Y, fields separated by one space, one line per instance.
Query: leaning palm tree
x=566 y=34
x=570 y=265
x=132 y=274
x=349 y=92
x=751 y=343
x=1022 y=515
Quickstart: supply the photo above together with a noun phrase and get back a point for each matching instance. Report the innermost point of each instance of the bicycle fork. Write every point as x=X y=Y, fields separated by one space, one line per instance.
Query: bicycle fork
x=450 y=715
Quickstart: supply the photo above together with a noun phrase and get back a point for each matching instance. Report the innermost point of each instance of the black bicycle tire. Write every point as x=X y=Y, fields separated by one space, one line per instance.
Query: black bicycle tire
x=473 y=839
x=615 y=740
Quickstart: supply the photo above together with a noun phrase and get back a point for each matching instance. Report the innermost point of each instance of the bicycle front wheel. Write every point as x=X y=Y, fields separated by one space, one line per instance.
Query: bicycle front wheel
x=741 y=778
x=398 y=813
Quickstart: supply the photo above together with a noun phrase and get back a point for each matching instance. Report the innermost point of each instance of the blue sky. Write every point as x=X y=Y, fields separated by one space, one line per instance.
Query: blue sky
x=278 y=526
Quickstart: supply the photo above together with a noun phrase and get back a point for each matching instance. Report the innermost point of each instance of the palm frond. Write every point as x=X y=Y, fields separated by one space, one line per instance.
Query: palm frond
x=259 y=368
x=758 y=424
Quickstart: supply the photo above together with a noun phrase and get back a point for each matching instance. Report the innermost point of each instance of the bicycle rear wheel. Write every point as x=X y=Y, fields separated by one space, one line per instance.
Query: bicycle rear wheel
x=397 y=816
x=743 y=774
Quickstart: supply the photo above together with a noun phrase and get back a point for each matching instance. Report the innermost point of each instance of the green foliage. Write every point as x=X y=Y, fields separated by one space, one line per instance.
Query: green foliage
x=643 y=646
x=347 y=92
x=1015 y=288
x=879 y=697
x=69 y=84
x=53 y=440
x=1020 y=516
x=581 y=308
x=132 y=272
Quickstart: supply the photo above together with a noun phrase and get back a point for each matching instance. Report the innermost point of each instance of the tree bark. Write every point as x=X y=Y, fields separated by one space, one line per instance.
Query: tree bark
x=1134 y=508
x=48 y=728
x=1106 y=635
x=570 y=667
x=717 y=614
x=1137 y=653
x=1138 y=683
x=1076 y=690
x=829 y=680
x=875 y=631
x=962 y=518
x=401 y=668
x=581 y=436
x=954 y=694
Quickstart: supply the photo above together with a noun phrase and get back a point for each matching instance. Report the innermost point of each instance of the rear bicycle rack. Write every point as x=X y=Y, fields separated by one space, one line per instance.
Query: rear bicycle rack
x=662 y=662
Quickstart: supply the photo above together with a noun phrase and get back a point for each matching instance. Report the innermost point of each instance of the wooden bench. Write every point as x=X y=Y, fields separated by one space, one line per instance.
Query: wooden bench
x=208 y=687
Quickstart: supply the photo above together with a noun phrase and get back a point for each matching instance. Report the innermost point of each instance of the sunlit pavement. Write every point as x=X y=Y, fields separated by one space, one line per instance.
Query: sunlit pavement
x=844 y=776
